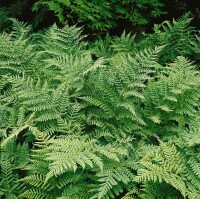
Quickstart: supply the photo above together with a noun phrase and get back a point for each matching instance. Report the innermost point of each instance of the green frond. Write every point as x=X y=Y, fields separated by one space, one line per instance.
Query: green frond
x=115 y=119
x=177 y=37
x=9 y=187
x=111 y=182
x=35 y=194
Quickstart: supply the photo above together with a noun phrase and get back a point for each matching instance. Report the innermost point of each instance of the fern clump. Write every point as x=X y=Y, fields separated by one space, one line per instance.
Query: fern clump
x=118 y=118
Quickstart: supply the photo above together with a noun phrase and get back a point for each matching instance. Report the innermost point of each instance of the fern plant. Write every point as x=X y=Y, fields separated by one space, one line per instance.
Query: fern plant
x=115 y=119
x=169 y=103
x=177 y=37
x=170 y=165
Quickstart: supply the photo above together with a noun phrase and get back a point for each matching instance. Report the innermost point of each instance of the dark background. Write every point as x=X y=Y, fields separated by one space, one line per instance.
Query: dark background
x=175 y=9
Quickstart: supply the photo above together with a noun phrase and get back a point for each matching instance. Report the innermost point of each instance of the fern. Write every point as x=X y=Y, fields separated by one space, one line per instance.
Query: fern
x=10 y=162
x=177 y=38
x=115 y=119
x=168 y=164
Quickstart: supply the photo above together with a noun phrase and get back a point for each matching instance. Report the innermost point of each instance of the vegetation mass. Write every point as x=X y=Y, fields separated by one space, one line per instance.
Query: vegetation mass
x=115 y=118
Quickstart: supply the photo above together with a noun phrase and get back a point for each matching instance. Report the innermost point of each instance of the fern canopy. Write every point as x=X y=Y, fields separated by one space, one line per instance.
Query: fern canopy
x=118 y=118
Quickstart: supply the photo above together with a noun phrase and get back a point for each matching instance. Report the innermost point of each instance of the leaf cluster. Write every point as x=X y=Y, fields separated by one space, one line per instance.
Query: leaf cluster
x=118 y=118
x=103 y=14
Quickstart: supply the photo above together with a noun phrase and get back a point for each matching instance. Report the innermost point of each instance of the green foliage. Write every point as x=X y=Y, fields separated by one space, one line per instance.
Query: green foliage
x=175 y=163
x=103 y=14
x=177 y=38
x=3 y=20
x=118 y=118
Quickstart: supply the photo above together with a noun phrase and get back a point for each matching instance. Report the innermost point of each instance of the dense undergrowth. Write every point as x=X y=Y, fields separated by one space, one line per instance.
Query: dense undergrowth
x=99 y=16
x=117 y=118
